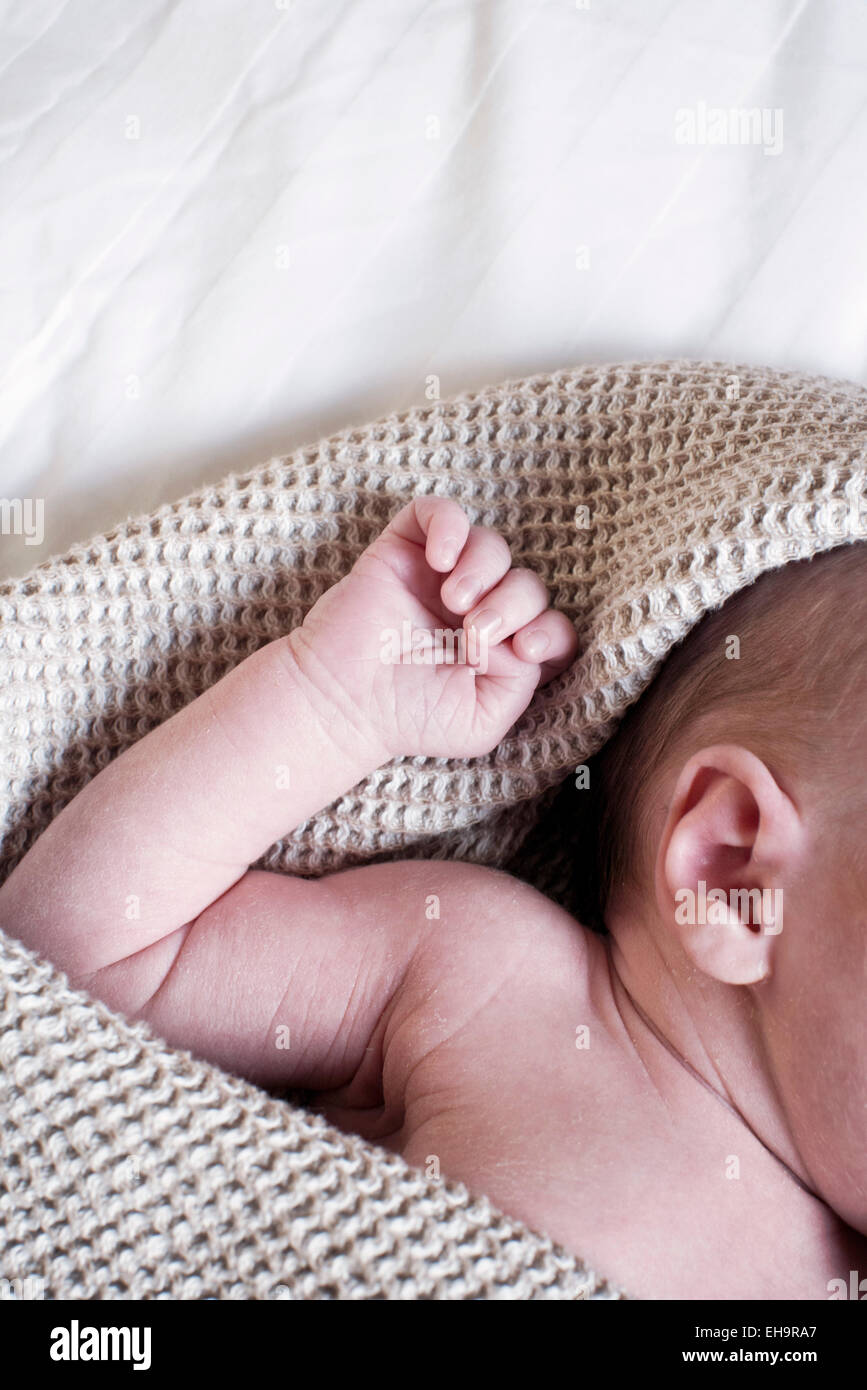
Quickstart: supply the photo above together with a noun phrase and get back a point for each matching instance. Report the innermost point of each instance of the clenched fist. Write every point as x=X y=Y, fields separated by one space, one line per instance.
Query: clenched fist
x=433 y=638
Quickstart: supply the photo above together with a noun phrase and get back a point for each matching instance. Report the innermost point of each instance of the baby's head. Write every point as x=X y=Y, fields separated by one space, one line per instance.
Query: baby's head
x=731 y=863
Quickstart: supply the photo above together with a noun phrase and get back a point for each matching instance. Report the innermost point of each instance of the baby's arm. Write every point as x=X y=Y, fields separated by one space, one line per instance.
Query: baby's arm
x=288 y=981
x=140 y=889
x=168 y=827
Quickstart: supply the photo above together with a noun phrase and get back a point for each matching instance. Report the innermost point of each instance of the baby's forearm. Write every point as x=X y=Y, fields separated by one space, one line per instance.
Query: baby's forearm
x=173 y=822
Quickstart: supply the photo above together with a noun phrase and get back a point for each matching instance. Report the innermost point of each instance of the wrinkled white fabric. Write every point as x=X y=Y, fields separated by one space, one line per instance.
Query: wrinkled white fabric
x=228 y=229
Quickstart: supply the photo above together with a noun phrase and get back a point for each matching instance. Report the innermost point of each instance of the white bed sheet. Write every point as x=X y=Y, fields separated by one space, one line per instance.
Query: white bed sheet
x=230 y=227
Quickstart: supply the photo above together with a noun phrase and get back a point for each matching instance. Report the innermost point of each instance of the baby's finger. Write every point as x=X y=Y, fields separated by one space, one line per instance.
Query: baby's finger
x=438 y=523
x=447 y=526
x=549 y=641
x=516 y=600
x=484 y=560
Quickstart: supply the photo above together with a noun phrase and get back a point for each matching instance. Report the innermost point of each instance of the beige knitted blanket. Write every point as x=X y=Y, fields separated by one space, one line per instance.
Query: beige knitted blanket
x=643 y=494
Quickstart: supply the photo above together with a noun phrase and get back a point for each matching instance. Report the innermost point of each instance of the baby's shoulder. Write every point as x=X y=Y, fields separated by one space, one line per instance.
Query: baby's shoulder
x=469 y=912
x=493 y=953
x=491 y=979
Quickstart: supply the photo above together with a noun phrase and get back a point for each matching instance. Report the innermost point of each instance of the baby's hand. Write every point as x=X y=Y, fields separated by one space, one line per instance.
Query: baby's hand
x=430 y=573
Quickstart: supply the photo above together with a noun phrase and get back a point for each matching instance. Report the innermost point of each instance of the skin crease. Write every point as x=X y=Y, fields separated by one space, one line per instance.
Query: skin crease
x=451 y=1035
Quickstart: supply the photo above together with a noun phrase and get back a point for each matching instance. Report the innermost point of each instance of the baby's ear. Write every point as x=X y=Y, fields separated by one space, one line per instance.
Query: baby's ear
x=733 y=837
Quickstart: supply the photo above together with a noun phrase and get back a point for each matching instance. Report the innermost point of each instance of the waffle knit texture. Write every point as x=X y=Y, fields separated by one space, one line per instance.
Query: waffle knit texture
x=644 y=495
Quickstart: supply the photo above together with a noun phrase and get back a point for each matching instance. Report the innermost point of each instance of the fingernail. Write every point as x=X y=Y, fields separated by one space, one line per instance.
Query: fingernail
x=486 y=622
x=535 y=644
x=467 y=592
x=450 y=552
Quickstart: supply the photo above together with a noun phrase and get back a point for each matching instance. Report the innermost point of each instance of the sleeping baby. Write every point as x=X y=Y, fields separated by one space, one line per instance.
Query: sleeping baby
x=680 y=1099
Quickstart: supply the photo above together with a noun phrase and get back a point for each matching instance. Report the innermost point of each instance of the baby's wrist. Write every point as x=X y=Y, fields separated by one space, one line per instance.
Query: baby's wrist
x=355 y=736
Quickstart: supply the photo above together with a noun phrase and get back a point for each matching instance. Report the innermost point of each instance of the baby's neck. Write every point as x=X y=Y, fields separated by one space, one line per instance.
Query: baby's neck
x=709 y=1030
x=707 y=1163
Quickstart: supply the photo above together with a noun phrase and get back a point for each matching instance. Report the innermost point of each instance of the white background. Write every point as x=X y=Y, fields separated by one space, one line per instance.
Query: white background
x=231 y=227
